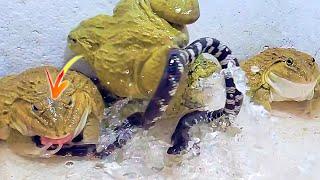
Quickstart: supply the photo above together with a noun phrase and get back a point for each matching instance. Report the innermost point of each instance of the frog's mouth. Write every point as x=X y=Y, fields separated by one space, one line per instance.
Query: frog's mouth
x=50 y=146
x=283 y=89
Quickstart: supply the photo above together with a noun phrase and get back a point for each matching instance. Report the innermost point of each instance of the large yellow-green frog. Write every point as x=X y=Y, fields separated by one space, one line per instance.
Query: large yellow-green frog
x=140 y=52
x=125 y=47
x=34 y=124
x=282 y=74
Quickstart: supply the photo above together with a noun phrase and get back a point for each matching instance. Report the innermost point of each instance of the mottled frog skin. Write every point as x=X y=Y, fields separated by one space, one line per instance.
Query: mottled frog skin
x=27 y=112
x=281 y=74
x=128 y=50
x=141 y=52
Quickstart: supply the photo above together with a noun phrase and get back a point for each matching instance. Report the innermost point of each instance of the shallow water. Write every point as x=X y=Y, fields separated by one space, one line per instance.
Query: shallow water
x=259 y=146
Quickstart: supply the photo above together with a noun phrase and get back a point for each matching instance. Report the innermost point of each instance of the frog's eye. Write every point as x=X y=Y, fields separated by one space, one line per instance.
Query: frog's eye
x=35 y=108
x=71 y=39
x=70 y=103
x=313 y=60
x=289 y=61
x=74 y=40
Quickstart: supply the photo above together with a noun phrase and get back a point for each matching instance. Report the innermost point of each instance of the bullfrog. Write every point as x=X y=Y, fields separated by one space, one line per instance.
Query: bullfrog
x=141 y=52
x=202 y=68
x=191 y=95
x=138 y=36
x=33 y=124
x=281 y=74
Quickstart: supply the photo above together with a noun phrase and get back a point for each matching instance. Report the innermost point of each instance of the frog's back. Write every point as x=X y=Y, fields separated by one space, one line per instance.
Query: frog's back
x=136 y=39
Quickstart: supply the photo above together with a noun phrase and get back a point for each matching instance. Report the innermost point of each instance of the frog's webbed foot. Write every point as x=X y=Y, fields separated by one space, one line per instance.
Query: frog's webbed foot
x=313 y=107
x=234 y=98
x=262 y=97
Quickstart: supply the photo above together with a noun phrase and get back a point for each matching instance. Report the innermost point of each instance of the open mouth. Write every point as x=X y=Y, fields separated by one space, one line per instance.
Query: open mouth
x=50 y=146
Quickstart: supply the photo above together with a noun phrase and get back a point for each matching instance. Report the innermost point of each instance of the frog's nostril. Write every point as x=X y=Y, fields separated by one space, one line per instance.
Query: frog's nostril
x=71 y=39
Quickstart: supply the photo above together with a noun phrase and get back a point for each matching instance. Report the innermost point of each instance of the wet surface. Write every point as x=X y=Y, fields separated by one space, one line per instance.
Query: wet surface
x=259 y=146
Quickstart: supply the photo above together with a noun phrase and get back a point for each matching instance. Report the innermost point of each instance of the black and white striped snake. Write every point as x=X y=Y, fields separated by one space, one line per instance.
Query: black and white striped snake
x=178 y=59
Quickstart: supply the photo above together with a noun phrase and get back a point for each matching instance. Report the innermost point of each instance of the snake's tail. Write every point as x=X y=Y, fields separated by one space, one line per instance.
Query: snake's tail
x=180 y=137
x=234 y=97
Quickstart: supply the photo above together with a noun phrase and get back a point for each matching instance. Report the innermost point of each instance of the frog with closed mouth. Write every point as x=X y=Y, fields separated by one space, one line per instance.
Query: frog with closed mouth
x=282 y=74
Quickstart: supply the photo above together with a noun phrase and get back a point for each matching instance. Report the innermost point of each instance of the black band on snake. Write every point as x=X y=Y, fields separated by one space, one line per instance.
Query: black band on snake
x=178 y=59
x=234 y=97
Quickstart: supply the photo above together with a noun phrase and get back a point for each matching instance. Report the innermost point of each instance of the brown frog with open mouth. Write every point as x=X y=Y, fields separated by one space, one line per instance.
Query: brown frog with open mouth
x=28 y=114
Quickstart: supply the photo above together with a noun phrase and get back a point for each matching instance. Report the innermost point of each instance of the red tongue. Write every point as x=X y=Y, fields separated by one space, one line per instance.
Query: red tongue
x=67 y=139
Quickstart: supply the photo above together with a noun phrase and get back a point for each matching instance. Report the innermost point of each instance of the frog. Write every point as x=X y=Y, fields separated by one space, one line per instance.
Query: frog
x=282 y=74
x=201 y=69
x=133 y=28
x=142 y=52
x=34 y=124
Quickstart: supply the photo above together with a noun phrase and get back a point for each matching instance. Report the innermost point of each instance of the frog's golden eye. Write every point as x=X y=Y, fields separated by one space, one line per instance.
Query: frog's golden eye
x=35 y=108
x=289 y=62
x=71 y=39
x=70 y=103
x=74 y=40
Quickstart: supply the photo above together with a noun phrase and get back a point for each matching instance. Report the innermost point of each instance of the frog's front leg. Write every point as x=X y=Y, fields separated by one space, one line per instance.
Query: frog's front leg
x=4 y=132
x=313 y=108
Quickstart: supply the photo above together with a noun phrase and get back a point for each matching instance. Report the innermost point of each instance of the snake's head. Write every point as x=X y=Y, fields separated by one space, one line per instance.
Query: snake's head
x=34 y=113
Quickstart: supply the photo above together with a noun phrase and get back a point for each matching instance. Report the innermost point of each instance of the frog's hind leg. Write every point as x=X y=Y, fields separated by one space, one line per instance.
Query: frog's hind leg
x=177 y=61
x=234 y=97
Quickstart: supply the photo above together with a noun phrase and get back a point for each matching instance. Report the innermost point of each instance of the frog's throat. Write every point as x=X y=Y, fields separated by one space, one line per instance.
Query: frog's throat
x=283 y=89
x=76 y=132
